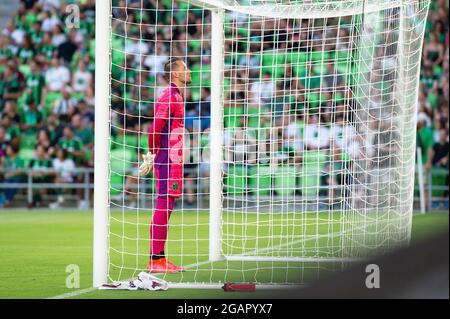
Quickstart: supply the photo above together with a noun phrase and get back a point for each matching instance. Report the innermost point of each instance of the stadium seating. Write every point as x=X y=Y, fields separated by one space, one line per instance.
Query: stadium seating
x=260 y=180
x=284 y=181
x=236 y=179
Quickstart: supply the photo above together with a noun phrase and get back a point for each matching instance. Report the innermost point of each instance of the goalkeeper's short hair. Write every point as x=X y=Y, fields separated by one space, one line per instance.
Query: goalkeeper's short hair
x=169 y=66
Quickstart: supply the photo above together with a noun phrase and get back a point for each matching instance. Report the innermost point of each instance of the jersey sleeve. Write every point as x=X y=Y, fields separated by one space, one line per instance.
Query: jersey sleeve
x=159 y=122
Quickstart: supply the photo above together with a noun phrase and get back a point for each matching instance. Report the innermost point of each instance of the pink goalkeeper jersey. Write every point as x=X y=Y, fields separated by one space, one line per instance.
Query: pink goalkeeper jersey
x=166 y=141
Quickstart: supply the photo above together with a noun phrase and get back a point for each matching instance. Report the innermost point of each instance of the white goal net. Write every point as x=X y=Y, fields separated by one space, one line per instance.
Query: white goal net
x=298 y=135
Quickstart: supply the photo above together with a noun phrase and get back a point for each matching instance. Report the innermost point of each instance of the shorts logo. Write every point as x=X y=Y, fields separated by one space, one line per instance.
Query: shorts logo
x=175 y=186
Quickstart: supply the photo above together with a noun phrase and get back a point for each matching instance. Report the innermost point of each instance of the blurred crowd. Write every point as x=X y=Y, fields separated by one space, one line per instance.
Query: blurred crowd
x=46 y=96
x=47 y=90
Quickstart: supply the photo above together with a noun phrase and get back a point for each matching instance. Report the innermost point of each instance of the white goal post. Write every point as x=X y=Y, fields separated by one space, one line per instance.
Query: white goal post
x=299 y=133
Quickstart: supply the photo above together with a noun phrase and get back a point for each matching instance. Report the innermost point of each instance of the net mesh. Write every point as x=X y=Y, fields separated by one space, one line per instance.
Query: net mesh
x=318 y=116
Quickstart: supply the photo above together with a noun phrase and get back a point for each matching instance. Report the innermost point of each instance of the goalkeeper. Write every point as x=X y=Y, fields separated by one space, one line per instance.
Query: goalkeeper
x=165 y=142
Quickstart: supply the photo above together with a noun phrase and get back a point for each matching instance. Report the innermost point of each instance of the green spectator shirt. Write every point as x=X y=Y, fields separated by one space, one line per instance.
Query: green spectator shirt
x=15 y=163
x=37 y=164
x=9 y=86
x=25 y=54
x=85 y=135
x=6 y=53
x=75 y=144
x=12 y=132
x=36 y=37
x=36 y=82
x=32 y=118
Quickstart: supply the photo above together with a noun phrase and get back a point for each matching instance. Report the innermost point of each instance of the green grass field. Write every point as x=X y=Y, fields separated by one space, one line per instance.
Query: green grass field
x=37 y=246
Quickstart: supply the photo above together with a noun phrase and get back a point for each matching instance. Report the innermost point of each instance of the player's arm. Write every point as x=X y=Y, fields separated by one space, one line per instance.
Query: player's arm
x=160 y=120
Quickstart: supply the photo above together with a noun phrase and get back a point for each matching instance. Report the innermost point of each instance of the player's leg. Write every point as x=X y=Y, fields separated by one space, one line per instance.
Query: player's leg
x=160 y=223
x=159 y=226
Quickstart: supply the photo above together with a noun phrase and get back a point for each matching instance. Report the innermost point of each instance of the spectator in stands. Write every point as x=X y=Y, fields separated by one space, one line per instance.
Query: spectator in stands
x=72 y=145
x=58 y=35
x=39 y=166
x=35 y=83
x=43 y=139
x=29 y=4
x=26 y=50
x=242 y=144
x=66 y=105
x=55 y=128
x=440 y=157
x=440 y=151
x=131 y=184
x=14 y=33
x=433 y=51
x=316 y=134
x=11 y=127
x=64 y=167
x=37 y=36
x=46 y=50
x=204 y=107
x=31 y=118
x=67 y=49
x=155 y=62
x=49 y=21
x=50 y=5
x=86 y=112
x=278 y=104
x=263 y=90
x=3 y=143
x=334 y=173
x=6 y=51
x=191 y=120
x=57 y=76
x=82 y=132
x=293 y=137
x=15 y=173
x=82 y=81
x=11 y=111
x=10 y=87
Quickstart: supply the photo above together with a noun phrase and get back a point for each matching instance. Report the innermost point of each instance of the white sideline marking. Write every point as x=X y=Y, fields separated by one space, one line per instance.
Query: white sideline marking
x=73 y=293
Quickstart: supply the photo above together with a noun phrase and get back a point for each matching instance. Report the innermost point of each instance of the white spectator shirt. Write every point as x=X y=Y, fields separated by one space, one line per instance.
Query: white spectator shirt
x=262 y=91
x=293 y=130
x=56 y=78
x=294 y=136
x=342 y=134
x=18 y=35
x=48 y=5
x=138 y=49
x=59 y=39
x=156 y=63
x=49 y=24
x=65 y=168
x=81 y=81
